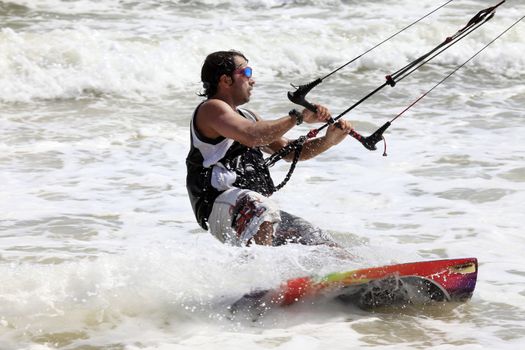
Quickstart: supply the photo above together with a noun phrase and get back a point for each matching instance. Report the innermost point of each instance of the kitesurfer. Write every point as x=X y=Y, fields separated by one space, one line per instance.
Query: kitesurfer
x=227 y=181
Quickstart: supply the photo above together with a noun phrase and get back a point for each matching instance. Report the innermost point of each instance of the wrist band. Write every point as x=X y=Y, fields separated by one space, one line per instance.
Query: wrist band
x=297 y=115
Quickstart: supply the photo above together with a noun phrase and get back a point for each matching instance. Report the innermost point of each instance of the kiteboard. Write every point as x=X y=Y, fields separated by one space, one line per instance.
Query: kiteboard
x=423 y=282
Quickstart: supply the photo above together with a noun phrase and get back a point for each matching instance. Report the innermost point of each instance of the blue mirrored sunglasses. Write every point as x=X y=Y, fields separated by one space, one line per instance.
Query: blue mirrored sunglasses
x=247 y=71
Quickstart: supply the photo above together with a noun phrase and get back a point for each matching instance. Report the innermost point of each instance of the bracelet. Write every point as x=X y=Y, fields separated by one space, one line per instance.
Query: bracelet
x=297 y=115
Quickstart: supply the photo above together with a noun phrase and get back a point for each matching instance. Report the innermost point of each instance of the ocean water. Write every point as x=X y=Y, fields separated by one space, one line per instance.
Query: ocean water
x=99 y=248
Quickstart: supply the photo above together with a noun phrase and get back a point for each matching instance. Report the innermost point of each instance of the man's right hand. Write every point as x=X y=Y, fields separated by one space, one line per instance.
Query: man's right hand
x=322 y=115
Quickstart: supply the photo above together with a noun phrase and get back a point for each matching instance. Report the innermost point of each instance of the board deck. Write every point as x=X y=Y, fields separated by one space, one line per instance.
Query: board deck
x=413 y=283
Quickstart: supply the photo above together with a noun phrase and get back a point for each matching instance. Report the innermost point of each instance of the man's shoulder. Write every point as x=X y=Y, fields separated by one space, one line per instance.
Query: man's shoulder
x=215 y=110
x=214 y=104
x=215 y=118
x=209 y=109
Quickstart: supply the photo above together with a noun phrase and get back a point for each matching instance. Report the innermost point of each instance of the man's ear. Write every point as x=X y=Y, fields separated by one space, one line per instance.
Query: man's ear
x=226 y=79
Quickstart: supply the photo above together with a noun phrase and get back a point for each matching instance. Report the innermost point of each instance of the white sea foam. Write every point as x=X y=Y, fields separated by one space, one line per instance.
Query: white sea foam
x=85 y=59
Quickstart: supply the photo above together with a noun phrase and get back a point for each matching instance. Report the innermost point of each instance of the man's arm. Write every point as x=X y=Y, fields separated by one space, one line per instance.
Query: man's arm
x=216 y=118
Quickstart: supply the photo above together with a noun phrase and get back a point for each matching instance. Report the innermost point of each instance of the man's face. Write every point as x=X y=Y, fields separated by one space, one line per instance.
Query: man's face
x=242 y=85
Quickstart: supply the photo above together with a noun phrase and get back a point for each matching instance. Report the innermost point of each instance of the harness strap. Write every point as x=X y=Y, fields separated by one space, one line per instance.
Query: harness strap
x=295 y=146
x=283 y=152
x=296 y=156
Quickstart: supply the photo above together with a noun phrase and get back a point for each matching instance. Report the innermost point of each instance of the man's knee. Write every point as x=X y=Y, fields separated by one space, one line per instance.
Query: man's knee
x=265 y=234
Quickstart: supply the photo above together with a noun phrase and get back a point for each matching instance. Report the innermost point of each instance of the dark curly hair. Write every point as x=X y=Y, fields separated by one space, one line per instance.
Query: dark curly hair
x=215 y=65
